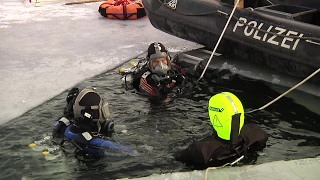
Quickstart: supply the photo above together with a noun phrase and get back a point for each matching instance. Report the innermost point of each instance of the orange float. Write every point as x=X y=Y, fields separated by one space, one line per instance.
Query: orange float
x=122 y=9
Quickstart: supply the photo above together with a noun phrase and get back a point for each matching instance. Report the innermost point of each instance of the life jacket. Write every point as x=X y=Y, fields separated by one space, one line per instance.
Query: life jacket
x=122 y=9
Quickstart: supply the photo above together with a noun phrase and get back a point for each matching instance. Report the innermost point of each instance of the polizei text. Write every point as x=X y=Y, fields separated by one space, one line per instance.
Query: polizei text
x=284 y=42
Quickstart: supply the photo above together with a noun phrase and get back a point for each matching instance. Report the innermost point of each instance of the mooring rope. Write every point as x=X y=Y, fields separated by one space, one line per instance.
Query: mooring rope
x=172 y=5
x=221 y=35
x=285 y=93
x=231 y=164
x=270 y=2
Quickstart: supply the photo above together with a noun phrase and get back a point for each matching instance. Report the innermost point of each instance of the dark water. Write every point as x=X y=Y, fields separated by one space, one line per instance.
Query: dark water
x=158 y=130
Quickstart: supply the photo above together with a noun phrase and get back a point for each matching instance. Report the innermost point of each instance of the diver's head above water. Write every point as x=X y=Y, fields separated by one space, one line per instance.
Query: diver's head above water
x=88 y=107
x=158 y=59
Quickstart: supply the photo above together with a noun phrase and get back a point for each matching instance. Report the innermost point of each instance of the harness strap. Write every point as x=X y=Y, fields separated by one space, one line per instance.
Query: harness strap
x=235 y=126
x=234 y=135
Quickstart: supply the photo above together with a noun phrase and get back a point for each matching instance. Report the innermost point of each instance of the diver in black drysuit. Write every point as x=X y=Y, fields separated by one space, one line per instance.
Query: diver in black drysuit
x=85 y=112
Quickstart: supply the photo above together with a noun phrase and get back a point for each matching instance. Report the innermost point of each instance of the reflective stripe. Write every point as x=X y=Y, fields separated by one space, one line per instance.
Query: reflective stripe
x=65 y=121
x=87 y=136
x=87 y=115
x=232 y=103
x=94 y=107
x=147 y=87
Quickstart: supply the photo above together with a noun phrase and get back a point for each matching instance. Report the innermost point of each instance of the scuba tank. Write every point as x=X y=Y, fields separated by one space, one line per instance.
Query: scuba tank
x=128 y=74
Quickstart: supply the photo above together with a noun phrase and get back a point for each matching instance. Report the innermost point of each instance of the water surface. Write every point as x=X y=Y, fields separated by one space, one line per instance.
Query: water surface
x=157 y=130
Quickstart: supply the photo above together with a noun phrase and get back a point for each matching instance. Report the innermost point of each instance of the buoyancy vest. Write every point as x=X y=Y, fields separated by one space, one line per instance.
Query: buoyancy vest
x=213 y=149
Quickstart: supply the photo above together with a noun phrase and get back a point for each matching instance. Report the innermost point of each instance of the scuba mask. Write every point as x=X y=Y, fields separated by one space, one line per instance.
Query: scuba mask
x=161 y=68
x=156 y=51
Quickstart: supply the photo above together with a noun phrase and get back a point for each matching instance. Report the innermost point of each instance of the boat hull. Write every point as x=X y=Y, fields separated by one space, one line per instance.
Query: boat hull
x=269 y=43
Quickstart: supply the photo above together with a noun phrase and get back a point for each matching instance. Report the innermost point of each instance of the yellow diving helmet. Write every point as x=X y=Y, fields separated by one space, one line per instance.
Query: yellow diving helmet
x=222 y=108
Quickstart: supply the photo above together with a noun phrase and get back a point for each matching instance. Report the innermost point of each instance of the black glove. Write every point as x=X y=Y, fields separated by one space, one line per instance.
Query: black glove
x=58 y=131
x=175 y=59
x=72 y=94
x=179 y=79
x=68 y=110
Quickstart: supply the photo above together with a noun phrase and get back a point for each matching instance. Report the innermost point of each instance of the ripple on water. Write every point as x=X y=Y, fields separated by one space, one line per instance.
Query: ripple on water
x=156 y=130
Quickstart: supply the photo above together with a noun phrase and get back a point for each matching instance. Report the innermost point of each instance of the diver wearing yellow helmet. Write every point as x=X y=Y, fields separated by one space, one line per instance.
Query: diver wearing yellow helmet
x=232 y=138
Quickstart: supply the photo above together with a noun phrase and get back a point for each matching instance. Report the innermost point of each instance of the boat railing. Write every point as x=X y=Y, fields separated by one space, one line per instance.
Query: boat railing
x=297 y=13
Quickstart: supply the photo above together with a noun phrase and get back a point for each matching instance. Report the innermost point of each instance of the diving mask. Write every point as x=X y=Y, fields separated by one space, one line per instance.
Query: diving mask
x=161 y=68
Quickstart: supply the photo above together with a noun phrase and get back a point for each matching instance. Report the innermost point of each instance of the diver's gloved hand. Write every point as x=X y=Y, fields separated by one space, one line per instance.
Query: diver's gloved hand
x=68 y=110
x=175 y=59
x=72 y=93
x=58 y=131
x=180 y=79
x=185 y=88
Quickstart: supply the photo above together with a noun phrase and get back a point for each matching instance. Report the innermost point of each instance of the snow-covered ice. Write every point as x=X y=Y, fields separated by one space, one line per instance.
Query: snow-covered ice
x=47 y=49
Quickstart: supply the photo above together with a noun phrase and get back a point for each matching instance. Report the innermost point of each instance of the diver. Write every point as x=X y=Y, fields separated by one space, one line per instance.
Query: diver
x=158 y=75
x=232 y=138
x=86 y=117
